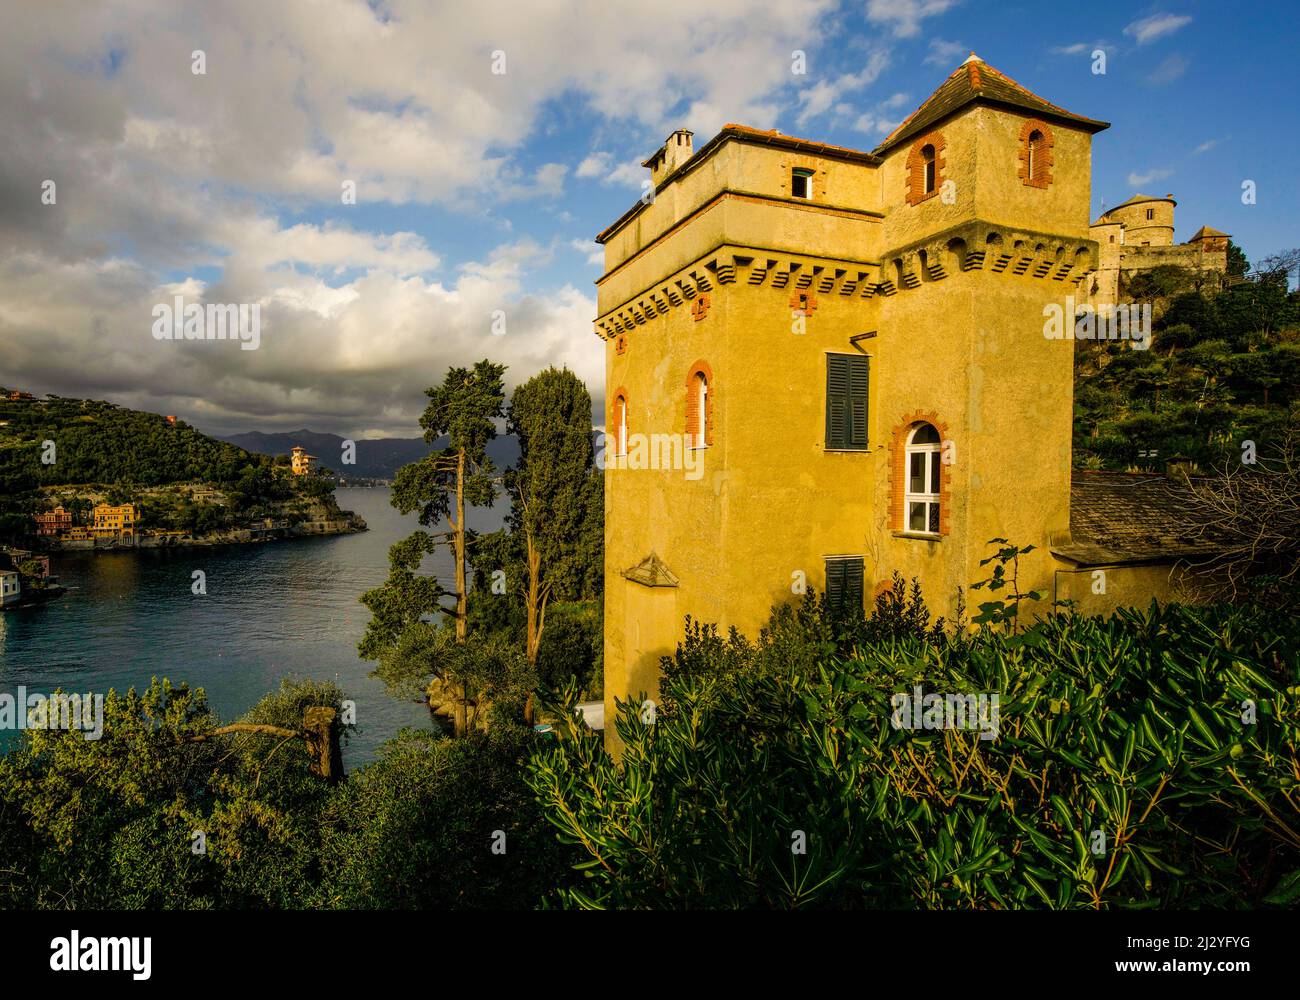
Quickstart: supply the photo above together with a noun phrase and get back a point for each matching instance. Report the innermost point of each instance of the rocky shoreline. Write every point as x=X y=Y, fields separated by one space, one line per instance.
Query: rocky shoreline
x=346 y=523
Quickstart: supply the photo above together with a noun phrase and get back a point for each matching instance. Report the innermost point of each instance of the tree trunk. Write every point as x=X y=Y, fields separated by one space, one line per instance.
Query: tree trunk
x=462 y=616
x=461 y=613
x=535 y=598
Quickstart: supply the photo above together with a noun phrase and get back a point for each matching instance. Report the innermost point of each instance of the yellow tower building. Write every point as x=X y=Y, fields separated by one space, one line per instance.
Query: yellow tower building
x=824 y=365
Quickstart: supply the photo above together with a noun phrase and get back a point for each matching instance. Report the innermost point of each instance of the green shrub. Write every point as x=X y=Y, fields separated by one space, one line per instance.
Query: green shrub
x=572 y=645
x=1128 y=730
x=416 y=829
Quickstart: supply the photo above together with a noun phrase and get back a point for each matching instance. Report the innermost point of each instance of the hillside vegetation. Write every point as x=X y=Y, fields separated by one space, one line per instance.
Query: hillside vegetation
x=102 y=451
x=101 y=442
x=1223 y=368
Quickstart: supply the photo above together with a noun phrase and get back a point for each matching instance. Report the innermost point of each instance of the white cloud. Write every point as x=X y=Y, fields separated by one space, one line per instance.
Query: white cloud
x=238 y=171
x=1083 y=48
x=1136 y=180
x=339 y=357
x=904 y=17
x=944 y=54
x=594 y=165
x=826 y=95
x=884 y=117
x=1148 y=29
x=1206 y=146
x=1170 y=70
x=593 y=251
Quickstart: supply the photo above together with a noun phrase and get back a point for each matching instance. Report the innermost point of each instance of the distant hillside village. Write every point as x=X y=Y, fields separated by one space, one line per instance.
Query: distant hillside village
x=85 y=475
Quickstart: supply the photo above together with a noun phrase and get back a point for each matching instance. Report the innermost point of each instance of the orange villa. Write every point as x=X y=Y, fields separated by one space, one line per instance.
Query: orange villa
x=111 y=520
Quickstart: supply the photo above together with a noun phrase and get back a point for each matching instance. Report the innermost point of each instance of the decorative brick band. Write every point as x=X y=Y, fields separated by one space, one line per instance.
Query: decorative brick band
x=1042 y=160
x=898 y=471
x=753 y=267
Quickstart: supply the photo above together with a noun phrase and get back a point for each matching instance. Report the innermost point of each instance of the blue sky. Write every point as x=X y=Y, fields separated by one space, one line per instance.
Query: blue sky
x=481 y=190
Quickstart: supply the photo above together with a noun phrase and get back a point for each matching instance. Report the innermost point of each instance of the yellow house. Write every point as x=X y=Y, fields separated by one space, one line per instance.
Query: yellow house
x=825 y=364
x=111 y=520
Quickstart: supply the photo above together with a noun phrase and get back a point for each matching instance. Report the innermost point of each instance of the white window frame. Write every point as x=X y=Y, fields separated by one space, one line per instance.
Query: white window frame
x=808 y=176
x=931 y=476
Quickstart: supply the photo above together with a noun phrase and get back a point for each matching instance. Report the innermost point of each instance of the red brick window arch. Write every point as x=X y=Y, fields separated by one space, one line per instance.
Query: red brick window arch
x=1036 y=142
x=619 y=422
x=925 y=165
x=699 y=405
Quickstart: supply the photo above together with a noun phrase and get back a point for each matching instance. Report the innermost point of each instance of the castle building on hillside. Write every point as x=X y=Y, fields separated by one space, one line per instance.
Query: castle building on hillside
x=1138 y=235
x=824 y=365
x=300 y=461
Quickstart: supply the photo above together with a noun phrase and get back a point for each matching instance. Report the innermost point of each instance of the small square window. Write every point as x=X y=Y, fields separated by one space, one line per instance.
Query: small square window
x=801 y=184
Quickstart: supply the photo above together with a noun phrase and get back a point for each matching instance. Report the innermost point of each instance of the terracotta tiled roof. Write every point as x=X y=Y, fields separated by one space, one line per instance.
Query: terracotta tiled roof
x=1123 y=517
x=1207 y=231
x=975 y=80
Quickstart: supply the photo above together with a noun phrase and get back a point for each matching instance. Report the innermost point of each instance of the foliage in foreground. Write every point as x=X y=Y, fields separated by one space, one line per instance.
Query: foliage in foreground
x=1130 y=726
x=110 y=823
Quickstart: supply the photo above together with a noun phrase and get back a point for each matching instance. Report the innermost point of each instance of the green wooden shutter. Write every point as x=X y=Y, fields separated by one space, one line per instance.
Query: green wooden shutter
x=859 y=379
x=837 y=400
x=834 y=582
x=844 y=578
x=847 y=384
x=853 y=573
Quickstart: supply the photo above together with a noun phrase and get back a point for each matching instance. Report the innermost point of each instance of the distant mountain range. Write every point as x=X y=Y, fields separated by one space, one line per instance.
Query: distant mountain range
x=377 y=458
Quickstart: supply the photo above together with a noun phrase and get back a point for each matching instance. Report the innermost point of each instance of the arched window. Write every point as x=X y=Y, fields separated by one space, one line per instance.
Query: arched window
x=699 y=406
x=921 y=495
x=701 y=392
x=620 y=424
x=1036 y=154
x=925 y=166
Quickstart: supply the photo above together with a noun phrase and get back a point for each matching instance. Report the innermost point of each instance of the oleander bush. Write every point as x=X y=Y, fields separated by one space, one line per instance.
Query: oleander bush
x=1148 y=760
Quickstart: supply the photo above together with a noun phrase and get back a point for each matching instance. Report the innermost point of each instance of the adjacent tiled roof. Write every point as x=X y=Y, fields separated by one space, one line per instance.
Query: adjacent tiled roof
x=975 y=80
x=1124 y=517
x=1207 y=231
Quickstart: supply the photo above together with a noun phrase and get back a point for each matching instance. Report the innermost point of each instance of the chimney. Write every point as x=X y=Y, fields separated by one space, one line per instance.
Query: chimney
x=675 y=151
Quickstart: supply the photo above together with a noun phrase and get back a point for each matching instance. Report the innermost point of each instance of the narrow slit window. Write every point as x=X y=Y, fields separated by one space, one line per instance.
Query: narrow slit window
x=928 y=168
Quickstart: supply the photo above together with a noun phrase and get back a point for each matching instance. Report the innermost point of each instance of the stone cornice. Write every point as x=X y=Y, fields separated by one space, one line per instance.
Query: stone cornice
x=987 y=246
x=728 y=264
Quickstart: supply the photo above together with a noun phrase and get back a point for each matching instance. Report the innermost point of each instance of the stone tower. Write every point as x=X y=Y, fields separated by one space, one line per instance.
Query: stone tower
x=825 y=364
